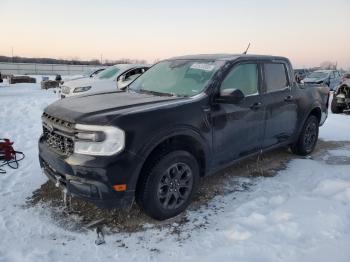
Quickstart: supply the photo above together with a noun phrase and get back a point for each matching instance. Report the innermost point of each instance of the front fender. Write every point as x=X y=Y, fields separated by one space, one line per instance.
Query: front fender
x=166 y=133
x=156 y=139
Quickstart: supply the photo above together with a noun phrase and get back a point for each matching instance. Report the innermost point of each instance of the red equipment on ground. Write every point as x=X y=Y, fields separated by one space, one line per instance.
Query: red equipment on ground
x=8 y=155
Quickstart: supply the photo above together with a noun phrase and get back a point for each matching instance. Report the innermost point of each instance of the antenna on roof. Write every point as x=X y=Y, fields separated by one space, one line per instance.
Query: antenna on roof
x=245 y=52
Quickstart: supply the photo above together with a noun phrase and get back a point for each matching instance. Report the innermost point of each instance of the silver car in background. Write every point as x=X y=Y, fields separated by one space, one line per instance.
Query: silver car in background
x=332 y=78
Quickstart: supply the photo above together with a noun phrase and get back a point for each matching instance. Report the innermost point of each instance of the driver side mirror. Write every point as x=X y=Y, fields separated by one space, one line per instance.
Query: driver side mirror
x=233 y=96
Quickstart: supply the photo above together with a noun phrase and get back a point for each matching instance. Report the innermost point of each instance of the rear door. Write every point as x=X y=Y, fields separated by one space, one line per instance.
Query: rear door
x=279 y=102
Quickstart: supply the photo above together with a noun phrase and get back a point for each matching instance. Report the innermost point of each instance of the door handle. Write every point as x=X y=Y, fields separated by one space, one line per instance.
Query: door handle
x=256 y=105
x=288 y=98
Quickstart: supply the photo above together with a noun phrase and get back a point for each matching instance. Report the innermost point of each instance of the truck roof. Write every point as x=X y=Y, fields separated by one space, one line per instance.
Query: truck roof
x=226 y=57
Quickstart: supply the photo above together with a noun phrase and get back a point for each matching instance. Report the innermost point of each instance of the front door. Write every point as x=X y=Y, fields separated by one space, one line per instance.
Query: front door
x=238 y=127
x=280 y=104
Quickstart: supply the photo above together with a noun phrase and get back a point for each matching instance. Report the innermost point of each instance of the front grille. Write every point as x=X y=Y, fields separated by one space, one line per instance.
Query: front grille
x=65 y=89
x=58 y=134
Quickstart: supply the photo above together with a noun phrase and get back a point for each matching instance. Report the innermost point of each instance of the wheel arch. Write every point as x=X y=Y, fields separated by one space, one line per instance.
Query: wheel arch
x=184 y=138
x=315 y=110
x=180 y=137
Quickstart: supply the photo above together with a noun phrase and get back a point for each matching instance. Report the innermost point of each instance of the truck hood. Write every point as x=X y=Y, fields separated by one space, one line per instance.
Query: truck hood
x=104 y=107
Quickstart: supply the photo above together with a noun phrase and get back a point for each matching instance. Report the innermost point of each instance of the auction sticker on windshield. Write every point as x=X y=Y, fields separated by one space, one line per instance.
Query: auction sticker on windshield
x=203 y=66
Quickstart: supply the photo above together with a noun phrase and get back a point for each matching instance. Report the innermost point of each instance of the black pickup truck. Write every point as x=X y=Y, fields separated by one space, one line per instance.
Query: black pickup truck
x=185 y=118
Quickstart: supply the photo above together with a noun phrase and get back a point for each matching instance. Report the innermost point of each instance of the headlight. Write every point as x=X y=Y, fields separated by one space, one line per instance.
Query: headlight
x=81 y=89
x=98 y=140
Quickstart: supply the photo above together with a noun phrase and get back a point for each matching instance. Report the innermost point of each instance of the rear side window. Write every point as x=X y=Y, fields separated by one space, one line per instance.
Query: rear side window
x=275 y=77
x=243 y=77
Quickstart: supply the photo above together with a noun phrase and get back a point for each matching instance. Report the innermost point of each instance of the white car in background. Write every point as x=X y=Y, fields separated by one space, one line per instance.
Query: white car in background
x=116 y=77
x=88 y=74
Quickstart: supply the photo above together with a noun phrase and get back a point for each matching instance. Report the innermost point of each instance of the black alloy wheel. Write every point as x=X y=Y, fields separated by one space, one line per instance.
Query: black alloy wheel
x=175 y=186
x=308 y=137
x=167 y=186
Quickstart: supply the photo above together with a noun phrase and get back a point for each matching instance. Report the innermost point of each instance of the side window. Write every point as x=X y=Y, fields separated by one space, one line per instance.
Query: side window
x=243 y=77
x=275 y=77
x=132 y=74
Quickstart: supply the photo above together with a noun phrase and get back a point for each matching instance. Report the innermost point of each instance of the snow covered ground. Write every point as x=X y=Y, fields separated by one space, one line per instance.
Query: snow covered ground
x=301 y=214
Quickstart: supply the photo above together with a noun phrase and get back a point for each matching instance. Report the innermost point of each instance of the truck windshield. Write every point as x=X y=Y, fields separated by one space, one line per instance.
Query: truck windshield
x=176 y=77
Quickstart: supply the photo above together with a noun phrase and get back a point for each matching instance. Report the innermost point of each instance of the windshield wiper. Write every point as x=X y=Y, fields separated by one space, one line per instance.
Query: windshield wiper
x=156 y=93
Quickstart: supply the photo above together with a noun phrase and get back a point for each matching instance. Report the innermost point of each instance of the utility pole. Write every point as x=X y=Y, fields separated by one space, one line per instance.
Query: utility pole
x=12 y=53
x=101 y=60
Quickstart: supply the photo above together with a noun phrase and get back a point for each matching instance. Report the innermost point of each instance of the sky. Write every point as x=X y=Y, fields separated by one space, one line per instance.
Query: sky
x=308 y=32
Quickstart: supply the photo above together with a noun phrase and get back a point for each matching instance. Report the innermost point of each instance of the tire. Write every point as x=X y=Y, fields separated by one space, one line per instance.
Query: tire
x=308 y=137
x=168 y=187
x=335 y=108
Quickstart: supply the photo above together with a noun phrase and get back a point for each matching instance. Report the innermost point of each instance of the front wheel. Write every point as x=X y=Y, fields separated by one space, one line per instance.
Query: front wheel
x=169 y=185
x=308 y=137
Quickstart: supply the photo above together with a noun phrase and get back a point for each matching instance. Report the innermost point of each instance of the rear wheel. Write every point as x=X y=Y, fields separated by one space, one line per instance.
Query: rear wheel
x=167 y=188
x=335 y=108
x=308 y=137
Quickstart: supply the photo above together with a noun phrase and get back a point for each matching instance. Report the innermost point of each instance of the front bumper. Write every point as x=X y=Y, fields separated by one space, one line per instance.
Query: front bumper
x=92 y=178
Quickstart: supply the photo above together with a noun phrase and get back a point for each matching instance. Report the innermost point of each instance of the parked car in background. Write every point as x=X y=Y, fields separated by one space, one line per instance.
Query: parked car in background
x=300 y=74
x=345 y=76
x=88 y=74
x=331 y=78
x=341 y=98
x=111 y=79
x=47 y=84
x=185 y=118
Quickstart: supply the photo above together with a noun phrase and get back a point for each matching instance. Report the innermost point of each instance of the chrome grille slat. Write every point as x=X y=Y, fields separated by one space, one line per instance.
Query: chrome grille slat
x=58 y=123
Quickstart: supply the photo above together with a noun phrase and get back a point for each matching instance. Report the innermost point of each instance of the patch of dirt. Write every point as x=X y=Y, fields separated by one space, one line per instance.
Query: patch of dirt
x=117 y=220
